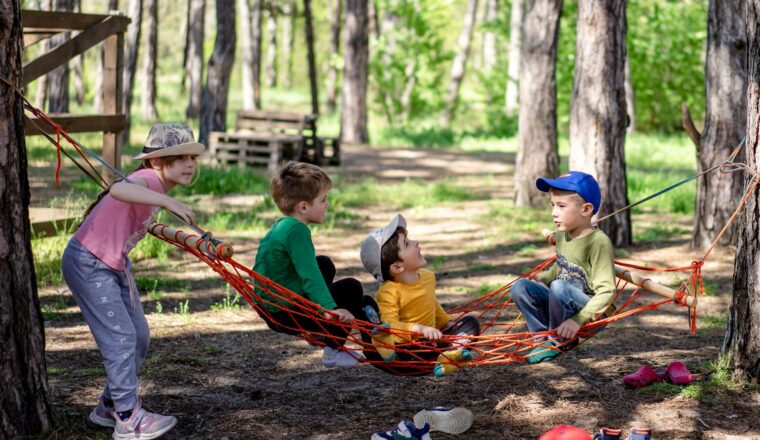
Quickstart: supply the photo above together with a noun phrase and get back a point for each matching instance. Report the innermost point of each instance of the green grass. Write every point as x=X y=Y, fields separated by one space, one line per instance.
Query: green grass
x=404 y=195
x=708 y=324
x=47 y=259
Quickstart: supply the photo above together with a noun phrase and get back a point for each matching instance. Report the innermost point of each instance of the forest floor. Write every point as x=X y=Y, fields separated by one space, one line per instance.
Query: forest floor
x=224 y=374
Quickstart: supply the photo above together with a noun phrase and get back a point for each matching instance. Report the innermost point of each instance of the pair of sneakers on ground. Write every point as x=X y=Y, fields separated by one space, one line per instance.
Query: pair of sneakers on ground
x=447 y=420
x=141 y=424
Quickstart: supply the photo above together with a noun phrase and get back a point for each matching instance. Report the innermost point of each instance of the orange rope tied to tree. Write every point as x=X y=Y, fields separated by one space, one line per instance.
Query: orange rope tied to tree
x=504 y=338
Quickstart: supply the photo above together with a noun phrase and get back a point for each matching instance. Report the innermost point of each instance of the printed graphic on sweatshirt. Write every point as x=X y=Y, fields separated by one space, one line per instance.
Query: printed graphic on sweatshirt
x=573 y=274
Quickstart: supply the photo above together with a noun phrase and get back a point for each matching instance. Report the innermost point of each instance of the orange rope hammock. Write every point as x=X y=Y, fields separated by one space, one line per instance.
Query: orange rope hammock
x=504 y=337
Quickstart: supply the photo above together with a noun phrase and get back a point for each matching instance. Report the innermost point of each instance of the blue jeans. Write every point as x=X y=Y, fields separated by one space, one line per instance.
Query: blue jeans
x=545 y=309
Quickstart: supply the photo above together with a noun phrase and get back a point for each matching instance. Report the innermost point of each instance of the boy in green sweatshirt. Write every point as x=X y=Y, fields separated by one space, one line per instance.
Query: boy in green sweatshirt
x=580 y=286
x=286 y=255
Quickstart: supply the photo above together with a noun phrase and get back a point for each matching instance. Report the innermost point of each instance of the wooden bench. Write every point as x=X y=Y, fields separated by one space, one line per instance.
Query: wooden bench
x=272 y=137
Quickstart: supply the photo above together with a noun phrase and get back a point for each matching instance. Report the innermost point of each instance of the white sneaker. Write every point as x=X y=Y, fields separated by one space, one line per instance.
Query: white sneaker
x=332 y=358
x=448 y=420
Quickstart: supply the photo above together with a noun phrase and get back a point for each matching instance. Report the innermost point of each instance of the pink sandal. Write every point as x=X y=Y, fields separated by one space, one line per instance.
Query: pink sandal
x=678 y=374
x=644 y=376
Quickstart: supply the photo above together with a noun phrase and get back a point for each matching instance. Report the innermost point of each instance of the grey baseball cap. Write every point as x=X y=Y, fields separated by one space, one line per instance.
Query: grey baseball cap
x=170 y=140
x=373 y=245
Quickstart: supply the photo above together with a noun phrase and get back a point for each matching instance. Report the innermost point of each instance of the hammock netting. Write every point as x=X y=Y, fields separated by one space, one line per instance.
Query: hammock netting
x=504 y=337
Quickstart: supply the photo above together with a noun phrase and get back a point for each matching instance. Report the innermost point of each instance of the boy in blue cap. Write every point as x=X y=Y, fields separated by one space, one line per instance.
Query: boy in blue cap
x=580 y=286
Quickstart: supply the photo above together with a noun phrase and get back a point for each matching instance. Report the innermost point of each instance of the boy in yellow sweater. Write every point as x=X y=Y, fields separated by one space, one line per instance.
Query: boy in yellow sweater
x=407 y=301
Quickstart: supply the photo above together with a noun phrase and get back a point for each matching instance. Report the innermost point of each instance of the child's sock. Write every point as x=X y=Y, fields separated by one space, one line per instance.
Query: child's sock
x=452 y=360
x=108 y=403
x=384 y=344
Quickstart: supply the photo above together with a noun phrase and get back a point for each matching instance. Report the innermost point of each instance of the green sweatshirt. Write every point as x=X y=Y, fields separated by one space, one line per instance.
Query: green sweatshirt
x=586 y=263
x=286 y=256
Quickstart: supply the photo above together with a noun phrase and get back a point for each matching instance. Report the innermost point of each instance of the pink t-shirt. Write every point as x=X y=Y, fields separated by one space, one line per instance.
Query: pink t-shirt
x=114 y=227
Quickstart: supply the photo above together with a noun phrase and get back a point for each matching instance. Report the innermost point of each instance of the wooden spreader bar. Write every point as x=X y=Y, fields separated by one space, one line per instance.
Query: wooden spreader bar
x=222 y=250
x=652 y=286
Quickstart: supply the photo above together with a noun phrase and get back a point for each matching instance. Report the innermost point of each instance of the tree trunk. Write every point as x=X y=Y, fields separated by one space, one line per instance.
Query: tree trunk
x=194 y=66
x=374 y=19
x=149 y=62
x=460 y=62
x=247 y=46
x=289 y=13
x=537 y=155
x=309 y=34
x=725 y=120
x=271 y=69
x=183 y=80
x=511 y=105
x=113 y=5
x=80 y=89
x=489 y=36
x=214 y=111
x=256 y=12
x=742 y=340
x=336 y=16
x=356 y=57
x=26 y=408
x=131 y=46
x=42 y=82
x=58 y=79
x=630 y=103
x=597 y=109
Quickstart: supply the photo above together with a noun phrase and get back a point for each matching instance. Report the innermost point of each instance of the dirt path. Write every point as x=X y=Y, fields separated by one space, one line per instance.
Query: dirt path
x=225 y=375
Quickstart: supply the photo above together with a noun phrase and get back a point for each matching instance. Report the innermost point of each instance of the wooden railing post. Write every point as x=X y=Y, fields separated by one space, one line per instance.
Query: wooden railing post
x=113 y=64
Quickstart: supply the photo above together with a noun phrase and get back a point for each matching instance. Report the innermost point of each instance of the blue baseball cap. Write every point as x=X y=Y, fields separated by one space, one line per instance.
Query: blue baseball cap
x=576 y=181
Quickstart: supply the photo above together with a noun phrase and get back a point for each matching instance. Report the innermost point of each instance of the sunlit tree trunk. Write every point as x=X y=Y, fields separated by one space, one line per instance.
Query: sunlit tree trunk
x=725 y=120
x=214 y=109
x=489 y=36
x=336 y=19
x=289 y=16
x=537 y=154
x=149 y=62
x=58 y=79
x=513 y=68
x=26 y=409
x=40 y=98
x=131 y=50
x=194 y=66
x=742 y=341
x=246 y=42
x=356 y=58
x=271 y=69
x=630 y=102
x=460 y=62
x=311 y=56
x=597 y=109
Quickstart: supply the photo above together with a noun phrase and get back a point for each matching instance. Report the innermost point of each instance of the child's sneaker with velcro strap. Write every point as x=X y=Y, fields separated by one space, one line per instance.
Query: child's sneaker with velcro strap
x=335 y=358
x=448 y=420
x=142 y=425
x=404 y=430
x=102 y=415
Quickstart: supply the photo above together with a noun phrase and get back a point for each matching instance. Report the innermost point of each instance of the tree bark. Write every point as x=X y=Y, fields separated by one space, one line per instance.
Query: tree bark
x=183 y=80
x=374 y=19
x=271 y=68
x=309 y=35
x=336 y=17
x=511 y=105
x=460 y=62
x=597 y=109
x=289 y=14
x=244 y=6
x=725 y=123
x=58 y=79
x=132 y=46
x=26 y=408
x=214 y=111
x=537 y=154
x=149 y=62
x=742 y=342
x=489 y=36
x=77 y=67
x=194 y=66
x=113 y=5
x=355 y=71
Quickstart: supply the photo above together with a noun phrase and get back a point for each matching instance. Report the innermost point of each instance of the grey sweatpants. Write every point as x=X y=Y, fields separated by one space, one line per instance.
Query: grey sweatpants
x=115 y=319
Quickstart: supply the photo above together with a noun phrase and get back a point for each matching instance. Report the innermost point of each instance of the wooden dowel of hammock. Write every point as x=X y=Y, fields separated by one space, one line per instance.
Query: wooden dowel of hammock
x=224 y=250
x=652 y=286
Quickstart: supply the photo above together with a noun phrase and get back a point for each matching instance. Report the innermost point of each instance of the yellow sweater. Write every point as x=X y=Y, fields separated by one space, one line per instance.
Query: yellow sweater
x=404 y=305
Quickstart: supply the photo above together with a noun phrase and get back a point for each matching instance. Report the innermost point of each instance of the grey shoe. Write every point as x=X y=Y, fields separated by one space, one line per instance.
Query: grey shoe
x=448 y=420
x=143 y=425
x=102 y=415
